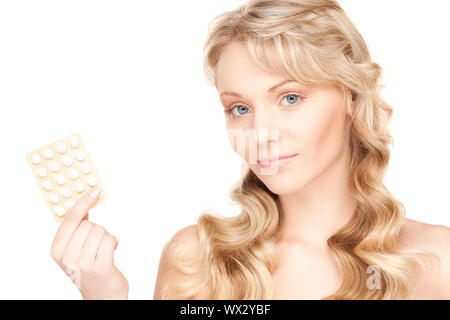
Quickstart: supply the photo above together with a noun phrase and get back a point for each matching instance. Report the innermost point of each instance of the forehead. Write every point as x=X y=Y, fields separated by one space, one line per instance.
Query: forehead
x=237 y=68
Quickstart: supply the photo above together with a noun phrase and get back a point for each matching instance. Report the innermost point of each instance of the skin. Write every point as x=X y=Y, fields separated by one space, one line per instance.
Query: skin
x=312 y=189
x=85 y=252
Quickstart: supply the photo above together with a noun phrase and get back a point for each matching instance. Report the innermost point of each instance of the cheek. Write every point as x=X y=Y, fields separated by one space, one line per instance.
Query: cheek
x=241 y=139
x=325 y=136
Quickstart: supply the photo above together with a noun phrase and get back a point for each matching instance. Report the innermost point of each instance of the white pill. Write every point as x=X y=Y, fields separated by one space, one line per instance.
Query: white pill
x=48 y=153
x=60 y=211
x=70 y=203
x=42 y=172
x=60 y=179
x=67 y=161
x=86 y=168
x=80 y=155
x=48 y=185
x=74 y=142
x=36 y=159
x=54 y=166
x=92 y=181
x=79 y=187
x=61 y=148
x=54 y=198
x=67 y=193
x=73 y=174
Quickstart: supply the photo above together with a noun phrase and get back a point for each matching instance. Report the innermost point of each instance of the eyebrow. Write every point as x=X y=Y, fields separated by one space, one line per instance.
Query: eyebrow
x=229 y=93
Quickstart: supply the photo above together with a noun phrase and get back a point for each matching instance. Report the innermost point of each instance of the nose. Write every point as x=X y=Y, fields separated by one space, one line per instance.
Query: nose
x=263 y=118
x=266 y=132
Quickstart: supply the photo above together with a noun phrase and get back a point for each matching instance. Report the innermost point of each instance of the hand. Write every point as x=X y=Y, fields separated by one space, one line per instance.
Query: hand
x=85 y=252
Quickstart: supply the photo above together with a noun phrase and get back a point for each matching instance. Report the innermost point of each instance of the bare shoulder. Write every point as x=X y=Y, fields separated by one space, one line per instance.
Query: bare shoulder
x=426 y=236
x=187 y=238
x=436 y=240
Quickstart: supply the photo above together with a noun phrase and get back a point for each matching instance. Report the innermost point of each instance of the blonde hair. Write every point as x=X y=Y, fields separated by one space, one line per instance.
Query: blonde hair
x=314 y=42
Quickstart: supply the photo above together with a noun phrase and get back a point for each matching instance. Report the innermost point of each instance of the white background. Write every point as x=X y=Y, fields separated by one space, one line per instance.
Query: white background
x=127 y=75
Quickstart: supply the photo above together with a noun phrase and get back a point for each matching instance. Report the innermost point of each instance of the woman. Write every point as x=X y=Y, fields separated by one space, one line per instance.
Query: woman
x=324 y=225
x=317 y=221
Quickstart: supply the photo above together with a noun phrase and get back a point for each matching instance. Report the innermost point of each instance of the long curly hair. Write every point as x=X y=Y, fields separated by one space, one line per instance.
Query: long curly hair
x=314 y=42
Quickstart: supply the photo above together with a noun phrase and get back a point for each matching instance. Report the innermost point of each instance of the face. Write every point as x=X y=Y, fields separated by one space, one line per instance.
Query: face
x=309 y=122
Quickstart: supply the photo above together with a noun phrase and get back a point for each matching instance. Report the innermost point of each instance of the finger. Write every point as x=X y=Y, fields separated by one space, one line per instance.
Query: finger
x=72 y=220
x=73 y=250
x=105 y=252
x=91 y=245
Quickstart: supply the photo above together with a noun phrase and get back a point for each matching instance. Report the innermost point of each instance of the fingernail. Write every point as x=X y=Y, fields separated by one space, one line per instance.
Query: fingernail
x=94 y=193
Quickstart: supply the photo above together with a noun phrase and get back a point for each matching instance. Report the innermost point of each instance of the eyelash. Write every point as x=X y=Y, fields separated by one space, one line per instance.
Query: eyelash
x=229 y=110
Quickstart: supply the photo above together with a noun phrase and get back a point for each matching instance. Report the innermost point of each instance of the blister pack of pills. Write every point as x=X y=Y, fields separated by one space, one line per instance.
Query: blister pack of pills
x=64 y=171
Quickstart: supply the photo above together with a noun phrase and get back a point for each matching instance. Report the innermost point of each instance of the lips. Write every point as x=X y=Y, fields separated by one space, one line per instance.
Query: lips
x=276 y=161
x=279 y=158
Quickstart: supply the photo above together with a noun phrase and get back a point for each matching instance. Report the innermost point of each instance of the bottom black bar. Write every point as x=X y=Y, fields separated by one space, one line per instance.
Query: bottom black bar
x=222 y=309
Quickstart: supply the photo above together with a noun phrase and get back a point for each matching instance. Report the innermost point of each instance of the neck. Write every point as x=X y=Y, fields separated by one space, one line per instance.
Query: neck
x=317 y=211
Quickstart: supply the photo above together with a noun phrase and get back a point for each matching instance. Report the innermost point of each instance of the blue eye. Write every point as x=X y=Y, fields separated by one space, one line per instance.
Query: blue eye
x=242 y=110
x=294 y=100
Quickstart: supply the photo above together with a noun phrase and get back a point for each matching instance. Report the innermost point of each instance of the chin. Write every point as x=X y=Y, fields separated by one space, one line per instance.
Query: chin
x=281 y=183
